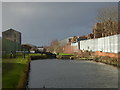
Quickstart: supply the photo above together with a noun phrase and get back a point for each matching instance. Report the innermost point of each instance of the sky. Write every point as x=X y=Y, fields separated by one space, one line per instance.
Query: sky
x=42 y=22
x=60 y=0
x=0 y=19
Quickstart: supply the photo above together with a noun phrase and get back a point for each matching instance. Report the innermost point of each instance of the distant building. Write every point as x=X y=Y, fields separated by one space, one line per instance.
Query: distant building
x=29 y=47
x=41 y=49
x=75 y=39
x=82 y=38
x=12 y=35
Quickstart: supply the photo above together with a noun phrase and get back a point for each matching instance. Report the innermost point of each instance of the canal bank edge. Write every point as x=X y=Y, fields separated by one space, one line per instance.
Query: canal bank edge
x=114 y=61
x=23 y=80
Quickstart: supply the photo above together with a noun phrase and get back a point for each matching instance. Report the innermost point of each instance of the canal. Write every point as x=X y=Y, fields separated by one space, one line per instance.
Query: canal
x=53 y=73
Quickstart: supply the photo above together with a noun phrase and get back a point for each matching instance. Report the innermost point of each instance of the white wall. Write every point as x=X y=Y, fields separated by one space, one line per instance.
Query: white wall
x=75 y=44
x=105 y=44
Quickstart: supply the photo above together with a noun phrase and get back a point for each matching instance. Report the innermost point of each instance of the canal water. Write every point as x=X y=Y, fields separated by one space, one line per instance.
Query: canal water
x=53 y=73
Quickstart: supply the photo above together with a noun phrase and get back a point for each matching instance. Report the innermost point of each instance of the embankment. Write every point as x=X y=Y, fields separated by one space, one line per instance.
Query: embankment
x=107 y=58
x=42 y=56
x=14 y=72
x=23 y=79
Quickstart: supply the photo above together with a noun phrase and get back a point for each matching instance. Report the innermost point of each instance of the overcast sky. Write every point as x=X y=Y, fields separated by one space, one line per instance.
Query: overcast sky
x=40 y=23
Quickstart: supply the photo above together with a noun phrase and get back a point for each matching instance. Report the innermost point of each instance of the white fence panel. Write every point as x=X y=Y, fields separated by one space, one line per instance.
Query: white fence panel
x=106 y=44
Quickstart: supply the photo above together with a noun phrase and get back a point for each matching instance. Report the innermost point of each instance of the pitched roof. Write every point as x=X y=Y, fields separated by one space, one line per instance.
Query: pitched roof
x=11 y=30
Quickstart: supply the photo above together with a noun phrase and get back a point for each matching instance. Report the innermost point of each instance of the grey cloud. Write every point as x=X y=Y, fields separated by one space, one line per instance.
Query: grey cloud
x=42 y=22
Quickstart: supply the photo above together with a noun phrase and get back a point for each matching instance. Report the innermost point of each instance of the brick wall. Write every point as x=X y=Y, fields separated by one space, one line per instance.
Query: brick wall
x=70 y=49
x=113 y=55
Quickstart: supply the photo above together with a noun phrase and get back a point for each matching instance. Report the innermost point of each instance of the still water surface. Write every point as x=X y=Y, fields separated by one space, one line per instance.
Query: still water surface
x=53 y=73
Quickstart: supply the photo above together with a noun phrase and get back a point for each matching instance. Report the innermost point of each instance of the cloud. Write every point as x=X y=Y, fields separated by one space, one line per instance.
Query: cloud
x=40 y=23
x=0 y=19
x=61 y=1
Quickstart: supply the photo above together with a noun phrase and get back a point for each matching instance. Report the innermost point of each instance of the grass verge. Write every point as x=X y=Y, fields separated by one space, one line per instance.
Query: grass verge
x=13 y=70
x=65 y=54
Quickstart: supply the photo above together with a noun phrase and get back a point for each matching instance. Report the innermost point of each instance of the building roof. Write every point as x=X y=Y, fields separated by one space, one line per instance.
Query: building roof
x=9 y=30
x=40 y=47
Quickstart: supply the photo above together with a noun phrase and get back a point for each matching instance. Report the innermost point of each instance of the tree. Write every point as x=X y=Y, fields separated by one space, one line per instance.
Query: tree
x=55 y=47
x=108 y=18
x=107 y=14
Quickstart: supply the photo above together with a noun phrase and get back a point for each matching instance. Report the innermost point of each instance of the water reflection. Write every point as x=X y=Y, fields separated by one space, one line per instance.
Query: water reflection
x=72 y=74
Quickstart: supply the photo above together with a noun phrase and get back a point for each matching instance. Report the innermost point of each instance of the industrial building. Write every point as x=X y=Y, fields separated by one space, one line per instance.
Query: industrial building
x=12 y=35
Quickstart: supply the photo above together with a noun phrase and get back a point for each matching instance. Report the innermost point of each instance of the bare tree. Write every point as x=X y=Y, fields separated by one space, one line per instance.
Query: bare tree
x=55 y=47
x=106 y=14
x=108 y=17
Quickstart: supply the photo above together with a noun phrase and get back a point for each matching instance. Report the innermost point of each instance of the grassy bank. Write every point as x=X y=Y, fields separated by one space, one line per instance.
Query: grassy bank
x=65 y=54
x=13 y=71
x=37 y=56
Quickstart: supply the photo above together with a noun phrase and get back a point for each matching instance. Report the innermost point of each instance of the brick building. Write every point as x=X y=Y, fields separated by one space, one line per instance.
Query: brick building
x=75 y=39
x=12 y=35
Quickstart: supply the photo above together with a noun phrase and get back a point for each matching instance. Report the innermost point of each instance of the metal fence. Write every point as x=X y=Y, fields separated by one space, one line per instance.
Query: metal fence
x=106 y=44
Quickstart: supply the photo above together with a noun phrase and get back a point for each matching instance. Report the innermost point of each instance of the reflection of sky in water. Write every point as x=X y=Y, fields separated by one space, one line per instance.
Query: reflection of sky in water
x=72 y=74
